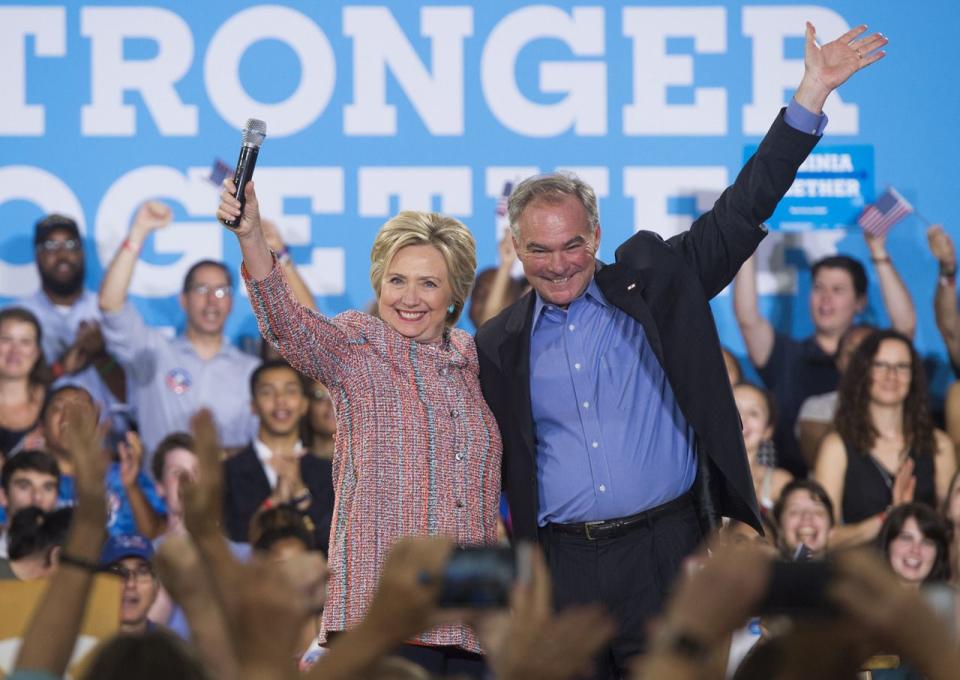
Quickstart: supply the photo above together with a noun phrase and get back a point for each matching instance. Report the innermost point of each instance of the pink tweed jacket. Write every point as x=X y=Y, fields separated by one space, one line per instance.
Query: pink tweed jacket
x=417 y=449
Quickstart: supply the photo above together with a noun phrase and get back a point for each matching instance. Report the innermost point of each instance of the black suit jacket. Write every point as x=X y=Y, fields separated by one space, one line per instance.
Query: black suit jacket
x=246 y=487
x=666 y=286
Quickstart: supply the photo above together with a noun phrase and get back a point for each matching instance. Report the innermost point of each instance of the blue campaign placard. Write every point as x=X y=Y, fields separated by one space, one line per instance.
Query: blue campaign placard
x=830 y=191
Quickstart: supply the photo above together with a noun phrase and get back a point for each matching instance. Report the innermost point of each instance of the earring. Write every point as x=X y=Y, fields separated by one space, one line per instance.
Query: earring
x=451 y=309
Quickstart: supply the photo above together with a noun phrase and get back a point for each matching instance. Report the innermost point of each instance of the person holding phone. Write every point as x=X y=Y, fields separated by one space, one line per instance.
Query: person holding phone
x=417 y=450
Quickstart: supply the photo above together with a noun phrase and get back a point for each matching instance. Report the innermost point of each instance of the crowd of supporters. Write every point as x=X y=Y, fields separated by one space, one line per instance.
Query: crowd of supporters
x=187 y=468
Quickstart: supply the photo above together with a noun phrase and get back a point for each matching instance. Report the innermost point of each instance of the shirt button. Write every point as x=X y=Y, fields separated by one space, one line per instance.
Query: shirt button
x=459 y=456
x=454 y=413
x=442 y=372
x=459 y=504
x=586 y=404
x=595 y=444
x=603 y=488
x=577 y=366
x=571 y=327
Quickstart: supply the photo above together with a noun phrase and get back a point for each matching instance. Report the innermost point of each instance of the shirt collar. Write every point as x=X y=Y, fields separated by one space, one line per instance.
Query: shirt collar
x=226 y=348
x=591 y=294
x=264 y=453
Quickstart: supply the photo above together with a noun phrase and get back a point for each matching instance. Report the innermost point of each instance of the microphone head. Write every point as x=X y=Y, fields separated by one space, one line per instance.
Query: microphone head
x=254 y=132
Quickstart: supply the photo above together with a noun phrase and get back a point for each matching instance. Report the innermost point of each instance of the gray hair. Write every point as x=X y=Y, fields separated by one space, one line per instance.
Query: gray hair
x=552 y=187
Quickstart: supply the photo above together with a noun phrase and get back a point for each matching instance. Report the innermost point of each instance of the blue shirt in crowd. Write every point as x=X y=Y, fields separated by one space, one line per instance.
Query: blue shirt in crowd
x=120 y=520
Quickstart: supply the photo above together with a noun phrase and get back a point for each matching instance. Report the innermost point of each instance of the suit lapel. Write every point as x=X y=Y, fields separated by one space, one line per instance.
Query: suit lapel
x=515 y=363
x=623 y=288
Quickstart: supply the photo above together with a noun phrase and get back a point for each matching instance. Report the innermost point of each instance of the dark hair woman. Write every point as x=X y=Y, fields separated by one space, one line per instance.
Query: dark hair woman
x=885 y=450
x=24 y=377
x=915 y=540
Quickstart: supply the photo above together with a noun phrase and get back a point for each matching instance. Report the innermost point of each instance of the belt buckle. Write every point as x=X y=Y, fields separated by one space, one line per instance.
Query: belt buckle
x=586 y=529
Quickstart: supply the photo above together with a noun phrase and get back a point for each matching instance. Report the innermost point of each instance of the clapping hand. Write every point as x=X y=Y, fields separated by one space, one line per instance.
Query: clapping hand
x=203 y=496
x=82 y=438
x=904 y=484
x=131 y=455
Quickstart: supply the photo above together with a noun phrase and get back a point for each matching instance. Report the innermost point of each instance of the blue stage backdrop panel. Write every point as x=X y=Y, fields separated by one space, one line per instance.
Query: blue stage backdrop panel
x=373 y=108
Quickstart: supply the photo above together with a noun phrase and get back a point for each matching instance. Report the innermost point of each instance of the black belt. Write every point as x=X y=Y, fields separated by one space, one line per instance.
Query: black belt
x=612 y=528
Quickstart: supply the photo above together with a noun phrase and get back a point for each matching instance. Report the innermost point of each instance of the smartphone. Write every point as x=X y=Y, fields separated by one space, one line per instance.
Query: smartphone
x=478 y=577
x=798 y=588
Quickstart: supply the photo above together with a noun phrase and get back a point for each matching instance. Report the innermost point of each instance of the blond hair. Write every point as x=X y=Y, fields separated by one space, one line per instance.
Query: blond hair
x=449 y=236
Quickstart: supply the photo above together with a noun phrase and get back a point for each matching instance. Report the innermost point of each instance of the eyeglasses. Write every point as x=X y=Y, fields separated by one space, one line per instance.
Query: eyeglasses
x=219 y=292
x=51 y=246
x=887 y=367
x=143 y=572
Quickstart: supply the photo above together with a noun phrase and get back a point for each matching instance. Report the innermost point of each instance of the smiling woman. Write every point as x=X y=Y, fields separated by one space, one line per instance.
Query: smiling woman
x=915 y=541
x=417 y=451
x=24 y=377
x=885 y=450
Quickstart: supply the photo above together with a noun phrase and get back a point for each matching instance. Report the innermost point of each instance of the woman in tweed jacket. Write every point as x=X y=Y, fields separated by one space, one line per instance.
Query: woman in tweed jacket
x=417 y=450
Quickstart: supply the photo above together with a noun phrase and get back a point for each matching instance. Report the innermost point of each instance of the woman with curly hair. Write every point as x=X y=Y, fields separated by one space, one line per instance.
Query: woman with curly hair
x=884 y=450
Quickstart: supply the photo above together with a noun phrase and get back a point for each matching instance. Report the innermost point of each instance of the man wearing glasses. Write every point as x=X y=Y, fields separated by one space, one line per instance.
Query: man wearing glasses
x=129 y=557
x=173 y=377
x=70 y=316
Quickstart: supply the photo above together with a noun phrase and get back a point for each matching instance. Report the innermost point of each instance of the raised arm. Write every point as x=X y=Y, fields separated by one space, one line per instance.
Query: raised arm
x=828 y=67
x=249 y=232
x=945 y=298
x=52 y=633
x=299 y=287
x=721 y=239
x=116 y=281
x=148 y=521
x=497 y=298
x=316 y=346
x=896 y=297
x=756 y=330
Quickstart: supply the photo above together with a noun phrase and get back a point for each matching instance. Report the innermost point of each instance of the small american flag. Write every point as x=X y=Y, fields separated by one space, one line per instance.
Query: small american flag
x=886 y=211
x=504 y=199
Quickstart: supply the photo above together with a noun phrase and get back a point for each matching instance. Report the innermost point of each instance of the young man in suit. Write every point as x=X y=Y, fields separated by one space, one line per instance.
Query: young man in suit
x=275 y=468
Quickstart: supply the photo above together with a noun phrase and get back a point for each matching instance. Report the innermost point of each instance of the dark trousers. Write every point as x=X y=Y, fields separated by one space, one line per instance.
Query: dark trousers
x=630 y=575
x=445 y=661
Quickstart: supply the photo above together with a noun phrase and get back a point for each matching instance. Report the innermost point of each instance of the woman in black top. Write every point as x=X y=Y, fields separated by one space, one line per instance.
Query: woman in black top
x=24 y=377
x=885 y=449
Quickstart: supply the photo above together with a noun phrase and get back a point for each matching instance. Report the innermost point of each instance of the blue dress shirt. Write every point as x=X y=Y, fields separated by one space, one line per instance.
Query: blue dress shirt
x=611 y=439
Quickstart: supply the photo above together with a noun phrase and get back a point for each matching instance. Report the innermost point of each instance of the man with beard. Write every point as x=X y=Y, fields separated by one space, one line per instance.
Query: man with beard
x=172 y=378
x=70 y=316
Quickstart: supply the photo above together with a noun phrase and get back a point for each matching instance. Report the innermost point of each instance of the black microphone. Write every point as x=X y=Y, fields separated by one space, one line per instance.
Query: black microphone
x=254 y=132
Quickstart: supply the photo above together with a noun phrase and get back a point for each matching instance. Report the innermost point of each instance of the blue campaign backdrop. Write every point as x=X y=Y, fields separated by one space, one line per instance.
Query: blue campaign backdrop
x=375 y=108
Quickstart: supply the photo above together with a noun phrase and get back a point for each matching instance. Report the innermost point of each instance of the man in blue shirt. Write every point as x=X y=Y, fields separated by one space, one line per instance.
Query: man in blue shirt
x=622 y=442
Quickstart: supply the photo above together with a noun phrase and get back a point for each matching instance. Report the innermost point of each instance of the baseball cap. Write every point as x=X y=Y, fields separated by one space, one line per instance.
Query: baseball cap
x=126 y=545
x=52 y=223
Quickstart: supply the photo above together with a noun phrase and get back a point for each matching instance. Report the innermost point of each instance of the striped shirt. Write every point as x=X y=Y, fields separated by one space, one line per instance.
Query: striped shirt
x=417 y=449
